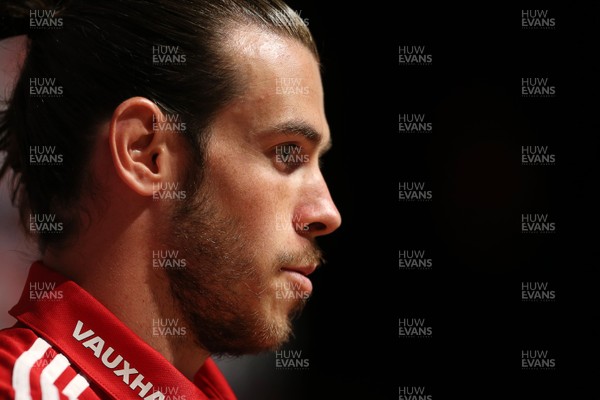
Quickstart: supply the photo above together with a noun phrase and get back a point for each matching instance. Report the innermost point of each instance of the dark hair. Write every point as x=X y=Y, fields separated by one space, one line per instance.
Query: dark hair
x=98 y=53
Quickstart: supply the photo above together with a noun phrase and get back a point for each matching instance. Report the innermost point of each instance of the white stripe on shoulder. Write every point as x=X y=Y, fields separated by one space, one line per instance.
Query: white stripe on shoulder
x=49 y=375
x=74 y=388
x=22 y=368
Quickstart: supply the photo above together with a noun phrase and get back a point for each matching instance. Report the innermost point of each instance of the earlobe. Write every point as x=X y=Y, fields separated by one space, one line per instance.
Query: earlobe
x=136 y=149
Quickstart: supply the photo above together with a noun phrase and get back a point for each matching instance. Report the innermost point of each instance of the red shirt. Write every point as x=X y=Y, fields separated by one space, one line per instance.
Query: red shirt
x=66 y=345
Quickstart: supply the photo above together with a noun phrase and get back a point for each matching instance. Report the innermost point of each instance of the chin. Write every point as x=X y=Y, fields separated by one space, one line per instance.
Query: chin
x=258 y=333
x=275 y=332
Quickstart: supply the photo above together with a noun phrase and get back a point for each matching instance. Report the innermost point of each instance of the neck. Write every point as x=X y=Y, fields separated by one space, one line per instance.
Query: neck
x=116 y=268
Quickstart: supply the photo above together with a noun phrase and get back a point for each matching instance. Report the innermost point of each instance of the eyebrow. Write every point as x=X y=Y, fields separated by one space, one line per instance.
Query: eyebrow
x=301 y=128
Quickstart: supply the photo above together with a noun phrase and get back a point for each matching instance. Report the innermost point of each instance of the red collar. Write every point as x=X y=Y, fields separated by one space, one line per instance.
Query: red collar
x=106 y=350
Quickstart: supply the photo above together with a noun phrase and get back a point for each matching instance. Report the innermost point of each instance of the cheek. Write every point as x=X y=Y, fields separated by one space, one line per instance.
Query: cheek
x=252 y=192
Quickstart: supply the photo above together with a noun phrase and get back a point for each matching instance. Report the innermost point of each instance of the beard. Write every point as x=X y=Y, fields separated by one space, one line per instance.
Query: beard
x=221 y=292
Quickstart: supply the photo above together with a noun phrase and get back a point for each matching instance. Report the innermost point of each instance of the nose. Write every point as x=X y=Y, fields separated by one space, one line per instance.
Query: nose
x=318 y=210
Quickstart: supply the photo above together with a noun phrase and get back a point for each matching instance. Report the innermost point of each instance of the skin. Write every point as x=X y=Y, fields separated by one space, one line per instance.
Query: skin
x=245 y=182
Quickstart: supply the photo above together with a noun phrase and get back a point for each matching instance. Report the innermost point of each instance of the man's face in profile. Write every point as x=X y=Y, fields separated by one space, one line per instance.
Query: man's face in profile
x=248 y=234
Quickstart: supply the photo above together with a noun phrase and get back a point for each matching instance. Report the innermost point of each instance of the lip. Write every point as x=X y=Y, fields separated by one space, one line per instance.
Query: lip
x=300 y=285
x=305 y=270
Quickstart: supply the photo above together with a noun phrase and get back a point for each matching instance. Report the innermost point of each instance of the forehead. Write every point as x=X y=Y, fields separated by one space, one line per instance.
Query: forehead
x=281 y=81
x=261 y=55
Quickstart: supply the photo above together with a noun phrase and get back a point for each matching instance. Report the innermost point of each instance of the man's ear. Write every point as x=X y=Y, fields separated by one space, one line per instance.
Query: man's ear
x=138 y=151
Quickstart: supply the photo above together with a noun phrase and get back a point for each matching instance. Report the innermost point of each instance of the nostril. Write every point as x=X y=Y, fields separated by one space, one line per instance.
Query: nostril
x=317 y=226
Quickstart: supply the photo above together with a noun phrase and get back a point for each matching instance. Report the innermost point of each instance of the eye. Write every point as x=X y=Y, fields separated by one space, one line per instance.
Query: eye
x=289 y=156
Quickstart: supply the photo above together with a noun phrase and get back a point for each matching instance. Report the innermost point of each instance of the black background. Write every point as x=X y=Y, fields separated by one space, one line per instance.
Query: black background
x=471 y=229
